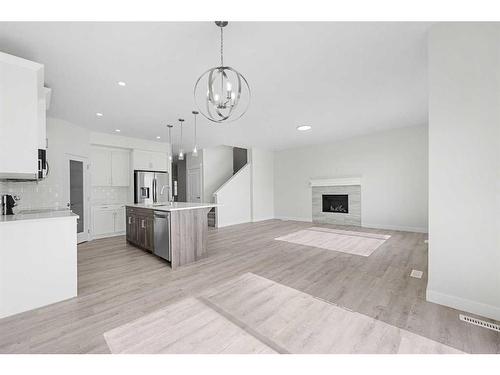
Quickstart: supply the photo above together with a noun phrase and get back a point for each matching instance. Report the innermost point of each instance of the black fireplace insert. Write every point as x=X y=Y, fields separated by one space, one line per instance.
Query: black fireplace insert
x=338 y=203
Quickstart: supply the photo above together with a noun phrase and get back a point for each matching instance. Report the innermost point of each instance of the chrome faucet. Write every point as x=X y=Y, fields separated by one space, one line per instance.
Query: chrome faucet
x=170 y=196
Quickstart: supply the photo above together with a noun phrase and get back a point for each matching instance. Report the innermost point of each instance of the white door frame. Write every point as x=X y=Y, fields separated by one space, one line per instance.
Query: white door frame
x=85 y=235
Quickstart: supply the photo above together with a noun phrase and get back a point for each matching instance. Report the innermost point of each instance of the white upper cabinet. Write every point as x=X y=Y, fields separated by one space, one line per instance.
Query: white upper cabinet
x=150 y=161
x=44 y=94
x=120 y=168
x=110 y=167
x=159 y=160
x=100 y=162
x=22 y=120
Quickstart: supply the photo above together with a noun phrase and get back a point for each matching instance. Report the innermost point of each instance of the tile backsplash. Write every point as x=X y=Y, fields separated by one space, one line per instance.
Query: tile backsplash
x=34 y=195
x=44 y=194
x=109 y=195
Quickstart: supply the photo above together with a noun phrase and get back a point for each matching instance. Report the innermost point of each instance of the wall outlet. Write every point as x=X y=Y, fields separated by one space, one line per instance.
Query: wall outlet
x=416 y=274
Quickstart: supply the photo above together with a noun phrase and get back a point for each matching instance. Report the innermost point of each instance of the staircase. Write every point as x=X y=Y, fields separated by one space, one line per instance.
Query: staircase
x=239 y=161
x=235 y=199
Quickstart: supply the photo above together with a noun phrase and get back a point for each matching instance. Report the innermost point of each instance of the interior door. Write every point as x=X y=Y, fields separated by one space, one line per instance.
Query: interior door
x=78 y=195
x=194 y=185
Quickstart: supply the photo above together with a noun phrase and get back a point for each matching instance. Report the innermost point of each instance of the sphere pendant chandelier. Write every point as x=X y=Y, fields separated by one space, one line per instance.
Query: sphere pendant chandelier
x=222 y=94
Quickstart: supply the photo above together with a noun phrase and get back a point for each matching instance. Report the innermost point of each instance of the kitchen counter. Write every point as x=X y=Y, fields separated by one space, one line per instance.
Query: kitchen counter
x=176 y=232
x=174 y=206
x=38 y=259
x=37 y=215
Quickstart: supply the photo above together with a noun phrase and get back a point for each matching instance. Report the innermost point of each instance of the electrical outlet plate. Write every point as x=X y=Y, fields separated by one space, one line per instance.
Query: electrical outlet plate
x=416 y=274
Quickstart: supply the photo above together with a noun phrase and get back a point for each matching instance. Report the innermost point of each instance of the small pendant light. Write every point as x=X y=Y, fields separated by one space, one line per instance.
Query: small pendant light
x=195 y=149
x=181 y=151
x=170 y=141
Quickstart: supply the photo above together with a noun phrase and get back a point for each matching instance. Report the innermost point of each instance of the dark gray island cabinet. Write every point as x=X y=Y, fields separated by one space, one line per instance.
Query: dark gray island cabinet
x=176 y=232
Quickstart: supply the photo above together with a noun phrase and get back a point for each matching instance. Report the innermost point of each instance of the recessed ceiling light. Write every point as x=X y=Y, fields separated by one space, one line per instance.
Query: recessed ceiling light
x=158 y=137
x=303 y=128
x=99 y=114
x=121 y=83
x=117 y=130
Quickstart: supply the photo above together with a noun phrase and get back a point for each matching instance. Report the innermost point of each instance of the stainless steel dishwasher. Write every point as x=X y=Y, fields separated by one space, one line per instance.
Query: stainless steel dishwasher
x=162 y=246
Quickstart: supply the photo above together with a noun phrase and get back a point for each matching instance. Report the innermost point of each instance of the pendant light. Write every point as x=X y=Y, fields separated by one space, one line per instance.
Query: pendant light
x=195 y=148
x=181 y=151
x=222 y=94
x=170 y=142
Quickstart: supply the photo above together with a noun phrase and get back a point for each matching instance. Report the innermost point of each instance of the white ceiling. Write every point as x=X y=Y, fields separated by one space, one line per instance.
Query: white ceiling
x=343 y=79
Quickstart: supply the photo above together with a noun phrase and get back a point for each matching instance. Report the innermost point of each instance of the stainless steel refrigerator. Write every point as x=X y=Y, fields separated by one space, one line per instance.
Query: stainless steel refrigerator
x=151 y=187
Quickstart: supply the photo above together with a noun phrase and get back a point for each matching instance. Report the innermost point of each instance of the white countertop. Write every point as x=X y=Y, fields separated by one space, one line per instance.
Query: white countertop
x=103 y=206
x=43 y=215
x=175 y=206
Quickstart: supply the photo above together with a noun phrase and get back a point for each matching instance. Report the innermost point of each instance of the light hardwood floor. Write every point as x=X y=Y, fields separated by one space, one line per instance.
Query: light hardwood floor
x=252 y=314
x=118 y=284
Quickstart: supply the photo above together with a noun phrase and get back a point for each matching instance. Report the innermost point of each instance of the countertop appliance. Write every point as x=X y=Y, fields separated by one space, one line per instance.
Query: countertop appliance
x=151 y=187
x=8 y=203
x=162 y=246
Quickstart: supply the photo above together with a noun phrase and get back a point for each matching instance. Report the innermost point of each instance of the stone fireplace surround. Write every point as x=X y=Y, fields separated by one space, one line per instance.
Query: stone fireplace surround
x=350 y=186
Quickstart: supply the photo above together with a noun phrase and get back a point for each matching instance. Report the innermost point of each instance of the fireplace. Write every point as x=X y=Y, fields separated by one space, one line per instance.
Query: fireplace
x=338 y=203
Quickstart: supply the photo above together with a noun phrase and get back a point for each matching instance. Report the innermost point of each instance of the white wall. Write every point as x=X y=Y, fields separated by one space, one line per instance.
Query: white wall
x=262 y=182
x=235 y=199
x=217 y=169
x=464 y=167
x=393 y=166
x=113 y=140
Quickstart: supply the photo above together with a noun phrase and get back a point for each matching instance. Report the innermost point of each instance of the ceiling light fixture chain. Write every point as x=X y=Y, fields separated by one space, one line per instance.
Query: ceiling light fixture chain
x=221 y=46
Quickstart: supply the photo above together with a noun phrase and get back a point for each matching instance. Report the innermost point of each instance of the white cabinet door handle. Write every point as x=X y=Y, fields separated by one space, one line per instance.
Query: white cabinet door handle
x=142 y=224
x=129 y=220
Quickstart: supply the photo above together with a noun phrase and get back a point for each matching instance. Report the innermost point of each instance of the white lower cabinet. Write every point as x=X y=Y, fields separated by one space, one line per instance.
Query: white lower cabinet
x=120 y=224
x=108 y=221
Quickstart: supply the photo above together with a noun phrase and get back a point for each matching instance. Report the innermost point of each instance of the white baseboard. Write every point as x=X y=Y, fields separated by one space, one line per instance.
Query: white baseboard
x=364 y=225
x=308 y=220
x=217 y=225
x=262 y=219
x=395 y=227
x=100 y=236
x=478 y=308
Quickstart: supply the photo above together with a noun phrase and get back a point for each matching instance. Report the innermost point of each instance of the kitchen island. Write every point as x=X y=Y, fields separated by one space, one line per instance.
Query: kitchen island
x=176 y=232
